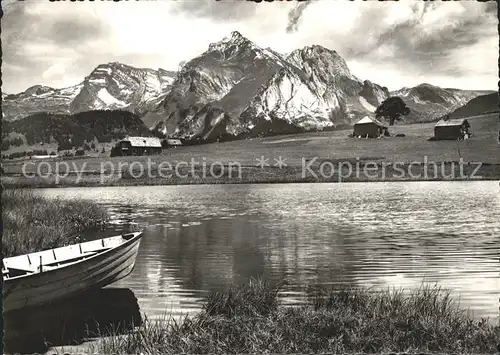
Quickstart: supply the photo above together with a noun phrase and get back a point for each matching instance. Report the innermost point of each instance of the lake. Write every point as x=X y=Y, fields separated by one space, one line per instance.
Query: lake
x=204 y=238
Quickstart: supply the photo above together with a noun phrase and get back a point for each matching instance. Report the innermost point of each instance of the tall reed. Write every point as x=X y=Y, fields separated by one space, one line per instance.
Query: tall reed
x=32 y=222
x=249 y=320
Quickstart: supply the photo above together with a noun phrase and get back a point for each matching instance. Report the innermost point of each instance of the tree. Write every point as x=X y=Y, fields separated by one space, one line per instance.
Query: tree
x=392 y=108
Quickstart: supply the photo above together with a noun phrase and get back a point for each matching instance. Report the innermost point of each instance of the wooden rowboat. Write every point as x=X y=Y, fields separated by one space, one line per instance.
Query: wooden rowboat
x=50 y=275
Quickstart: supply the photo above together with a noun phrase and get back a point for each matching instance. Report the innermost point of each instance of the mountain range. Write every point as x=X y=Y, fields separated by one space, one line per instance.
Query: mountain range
x=110 y=86
x=236 y=89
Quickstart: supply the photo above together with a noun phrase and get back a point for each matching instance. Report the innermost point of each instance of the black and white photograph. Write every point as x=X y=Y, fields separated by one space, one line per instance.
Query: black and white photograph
x=249 y=177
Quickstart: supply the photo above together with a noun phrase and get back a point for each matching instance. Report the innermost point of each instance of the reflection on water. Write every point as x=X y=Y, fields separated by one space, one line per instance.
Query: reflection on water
x=204 y=238
x=71 y=321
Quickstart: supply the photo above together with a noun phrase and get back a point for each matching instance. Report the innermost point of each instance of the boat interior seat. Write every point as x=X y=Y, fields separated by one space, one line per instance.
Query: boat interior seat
x=21 y=269
x=128 y=236
x=69 y=260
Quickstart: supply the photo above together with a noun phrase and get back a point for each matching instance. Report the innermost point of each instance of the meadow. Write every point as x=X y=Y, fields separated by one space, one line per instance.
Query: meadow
x=294 y=150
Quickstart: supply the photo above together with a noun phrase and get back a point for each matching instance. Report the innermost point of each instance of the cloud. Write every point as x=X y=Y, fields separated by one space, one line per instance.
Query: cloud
x=41 y=43
x=430 y=40
x=294 y=16
x=79 y=36
x=226 y=11
x=394 y=44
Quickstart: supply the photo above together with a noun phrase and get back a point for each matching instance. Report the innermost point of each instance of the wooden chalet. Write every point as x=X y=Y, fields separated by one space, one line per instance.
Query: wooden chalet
x=452 y=129
x=370 y=127
x=139 y=146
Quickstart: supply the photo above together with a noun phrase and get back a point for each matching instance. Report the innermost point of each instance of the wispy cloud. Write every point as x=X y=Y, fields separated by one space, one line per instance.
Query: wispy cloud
x=226 y=11
x=295 y=14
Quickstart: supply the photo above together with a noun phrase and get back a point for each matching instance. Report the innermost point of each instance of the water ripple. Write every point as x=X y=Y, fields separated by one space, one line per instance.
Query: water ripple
x=200 y=239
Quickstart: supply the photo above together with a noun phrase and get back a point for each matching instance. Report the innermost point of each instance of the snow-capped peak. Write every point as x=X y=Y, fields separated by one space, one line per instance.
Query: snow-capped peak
x=236 y=37
x=235 y=40
x=323 y=59
x=116 y=85
x=38 y=90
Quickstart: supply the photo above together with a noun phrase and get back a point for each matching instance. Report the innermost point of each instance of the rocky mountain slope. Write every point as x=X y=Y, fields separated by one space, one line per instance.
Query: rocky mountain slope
x=119 y=86
x=38 y=98
x=109 y=86
x=237 y=89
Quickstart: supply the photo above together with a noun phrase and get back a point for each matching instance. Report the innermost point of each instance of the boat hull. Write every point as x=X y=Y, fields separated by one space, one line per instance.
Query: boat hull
x=48 y=287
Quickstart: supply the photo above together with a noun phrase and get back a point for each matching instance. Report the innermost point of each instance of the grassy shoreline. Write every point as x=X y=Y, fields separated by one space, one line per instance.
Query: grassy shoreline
x=320 y=172
x=248 y=319
x=33 y=223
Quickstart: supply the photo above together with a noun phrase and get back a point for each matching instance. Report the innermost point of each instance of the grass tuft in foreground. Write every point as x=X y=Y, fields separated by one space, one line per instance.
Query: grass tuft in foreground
x=33 y=223
x=249 y=320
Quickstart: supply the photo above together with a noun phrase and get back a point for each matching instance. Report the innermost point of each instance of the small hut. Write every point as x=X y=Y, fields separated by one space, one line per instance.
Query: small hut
x=139 y=146
x=172 y=143
x=452 y=129
x=370 y=127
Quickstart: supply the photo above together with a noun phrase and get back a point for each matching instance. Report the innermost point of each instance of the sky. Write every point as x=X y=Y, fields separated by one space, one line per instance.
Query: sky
x=394 y=44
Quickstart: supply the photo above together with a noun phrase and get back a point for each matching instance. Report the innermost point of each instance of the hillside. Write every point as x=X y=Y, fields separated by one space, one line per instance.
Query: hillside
x=477 y=106
x=71 y=131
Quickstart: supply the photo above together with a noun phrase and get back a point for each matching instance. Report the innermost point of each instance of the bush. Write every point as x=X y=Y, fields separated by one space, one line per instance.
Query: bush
x=64 y=145
x=257 y=298
x=115 y=151
x=8 y=142
x=5 y=144
x=17 y=155
x=40 y=152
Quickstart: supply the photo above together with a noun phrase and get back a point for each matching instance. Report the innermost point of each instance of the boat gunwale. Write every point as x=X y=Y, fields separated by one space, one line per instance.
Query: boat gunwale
x=135 y=238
